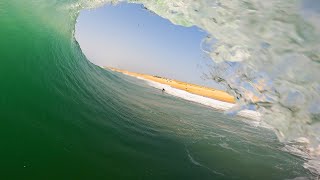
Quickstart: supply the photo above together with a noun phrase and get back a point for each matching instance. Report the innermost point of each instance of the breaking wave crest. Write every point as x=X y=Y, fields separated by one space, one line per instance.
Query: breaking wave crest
x=267 y=53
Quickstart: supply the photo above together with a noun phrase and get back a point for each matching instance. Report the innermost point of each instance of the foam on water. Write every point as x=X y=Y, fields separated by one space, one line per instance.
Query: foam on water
x=216 y=104
x=201 y=165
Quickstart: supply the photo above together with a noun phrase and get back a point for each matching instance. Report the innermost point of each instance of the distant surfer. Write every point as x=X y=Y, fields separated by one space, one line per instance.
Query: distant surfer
x=163 y=90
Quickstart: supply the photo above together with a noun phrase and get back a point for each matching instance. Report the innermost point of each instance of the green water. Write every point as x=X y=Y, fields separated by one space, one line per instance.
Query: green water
x=65 y=118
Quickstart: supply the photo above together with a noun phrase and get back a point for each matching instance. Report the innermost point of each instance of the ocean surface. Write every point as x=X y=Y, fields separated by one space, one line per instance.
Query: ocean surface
x=65 y=118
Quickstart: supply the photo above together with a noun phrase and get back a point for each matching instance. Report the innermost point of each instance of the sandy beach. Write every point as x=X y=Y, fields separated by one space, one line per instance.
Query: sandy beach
x=191 y=88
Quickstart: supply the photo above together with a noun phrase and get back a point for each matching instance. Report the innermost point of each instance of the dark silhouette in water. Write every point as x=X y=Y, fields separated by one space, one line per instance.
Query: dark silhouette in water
x=163 y=90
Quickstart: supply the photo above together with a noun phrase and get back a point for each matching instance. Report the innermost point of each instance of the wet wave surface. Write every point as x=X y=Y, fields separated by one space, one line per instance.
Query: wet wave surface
x=65 y=118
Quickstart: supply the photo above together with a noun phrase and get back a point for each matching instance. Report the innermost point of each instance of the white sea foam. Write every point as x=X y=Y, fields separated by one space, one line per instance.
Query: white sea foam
x=201 y=165
x=216 y=104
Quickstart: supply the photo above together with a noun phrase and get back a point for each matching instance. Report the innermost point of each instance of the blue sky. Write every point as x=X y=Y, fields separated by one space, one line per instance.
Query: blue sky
x=129 y=37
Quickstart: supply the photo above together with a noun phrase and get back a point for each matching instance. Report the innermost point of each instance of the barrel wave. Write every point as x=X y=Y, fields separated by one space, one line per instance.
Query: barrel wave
x=65 y=118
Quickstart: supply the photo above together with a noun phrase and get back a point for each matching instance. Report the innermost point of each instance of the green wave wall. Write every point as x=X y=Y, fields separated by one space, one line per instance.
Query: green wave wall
x=65 y=118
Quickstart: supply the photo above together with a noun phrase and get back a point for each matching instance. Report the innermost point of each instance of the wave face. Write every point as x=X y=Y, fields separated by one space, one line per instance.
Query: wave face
x=65 y=118
x=278 y=51
x=266 y=53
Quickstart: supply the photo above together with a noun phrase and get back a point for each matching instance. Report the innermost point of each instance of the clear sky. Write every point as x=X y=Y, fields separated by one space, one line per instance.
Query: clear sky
x=127 y=36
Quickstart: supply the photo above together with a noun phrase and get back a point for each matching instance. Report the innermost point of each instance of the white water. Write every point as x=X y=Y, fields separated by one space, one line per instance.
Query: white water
x=216 y=104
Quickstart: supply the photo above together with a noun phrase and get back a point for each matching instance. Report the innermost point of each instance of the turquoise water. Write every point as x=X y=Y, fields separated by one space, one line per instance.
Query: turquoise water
x=65 y=118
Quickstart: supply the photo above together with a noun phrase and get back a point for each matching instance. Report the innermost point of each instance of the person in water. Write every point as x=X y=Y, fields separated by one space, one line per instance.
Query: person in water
x=163 y=90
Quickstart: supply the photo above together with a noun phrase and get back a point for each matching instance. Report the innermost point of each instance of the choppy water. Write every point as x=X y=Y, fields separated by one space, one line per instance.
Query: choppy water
x=65 y=118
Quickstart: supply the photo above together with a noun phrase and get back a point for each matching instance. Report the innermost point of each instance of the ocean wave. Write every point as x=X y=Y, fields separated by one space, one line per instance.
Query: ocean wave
x=261 y=50
x=267 y=53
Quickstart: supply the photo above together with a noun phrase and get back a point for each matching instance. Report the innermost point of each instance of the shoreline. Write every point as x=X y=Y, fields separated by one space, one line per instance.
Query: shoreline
x=210 y=97
x=188 y=87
